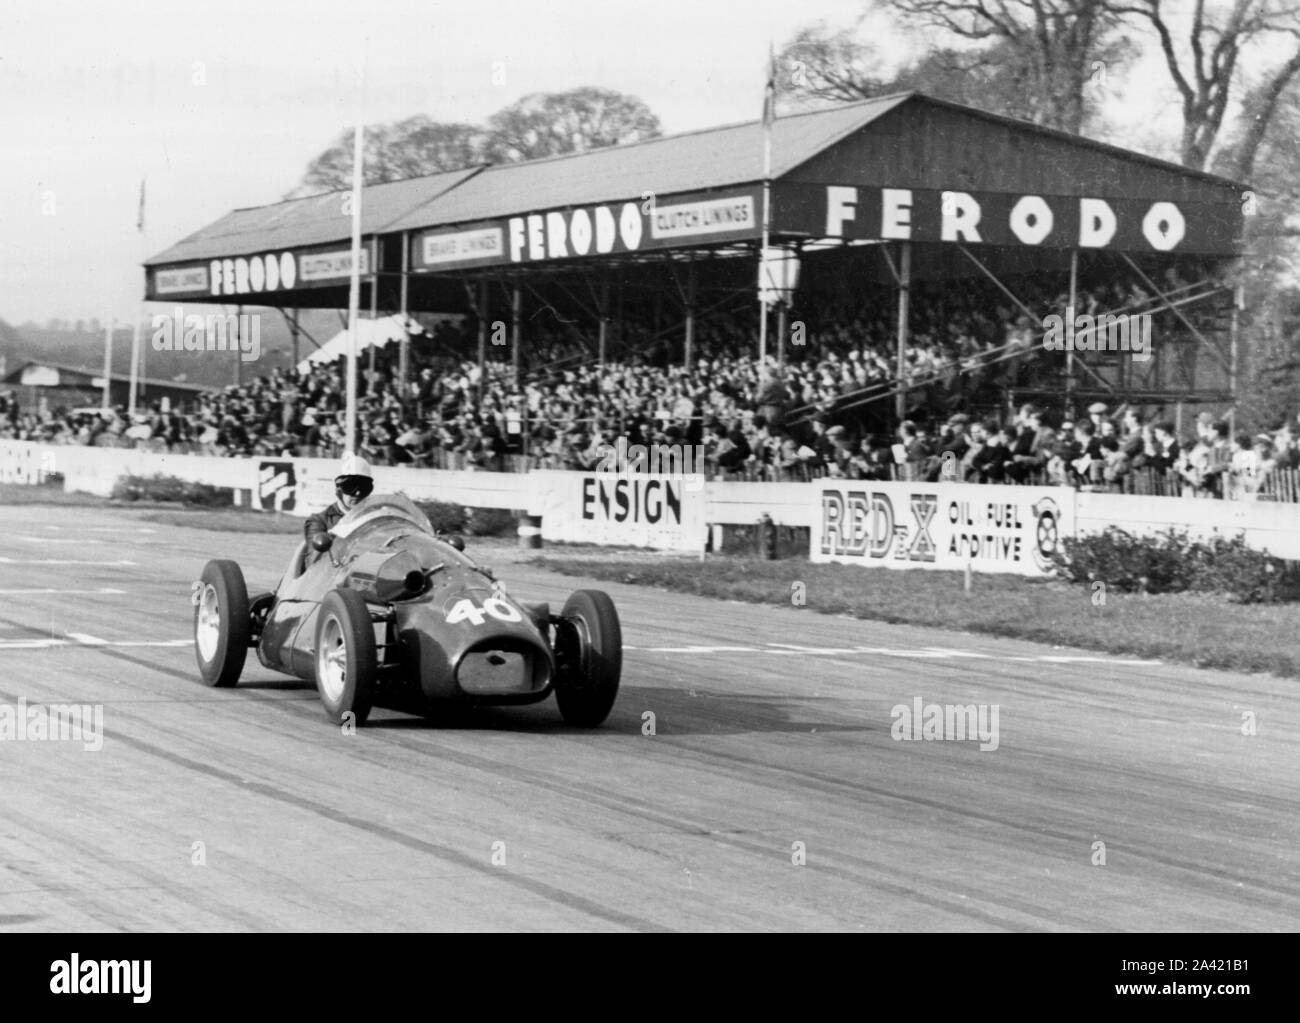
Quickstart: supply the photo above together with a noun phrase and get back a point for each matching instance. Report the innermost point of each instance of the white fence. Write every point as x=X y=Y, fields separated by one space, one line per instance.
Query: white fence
x=894 y=524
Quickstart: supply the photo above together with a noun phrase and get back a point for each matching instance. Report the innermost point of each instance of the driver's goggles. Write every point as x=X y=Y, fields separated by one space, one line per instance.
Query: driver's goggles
x=357 y=487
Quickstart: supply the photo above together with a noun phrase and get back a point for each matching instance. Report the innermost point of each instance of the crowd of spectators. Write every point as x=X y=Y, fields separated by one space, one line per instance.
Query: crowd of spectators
x=970 y=349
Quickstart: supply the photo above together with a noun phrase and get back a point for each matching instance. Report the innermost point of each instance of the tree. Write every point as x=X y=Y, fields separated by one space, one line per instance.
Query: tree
x=1033 y=59
x=408 y=148
x=554 y=123
x=825 y=64
x=1205 y=68
x=1051 y=47
x=542 y=124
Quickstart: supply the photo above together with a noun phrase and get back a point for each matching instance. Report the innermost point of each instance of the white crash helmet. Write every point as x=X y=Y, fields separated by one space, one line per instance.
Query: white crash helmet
x=352 y=471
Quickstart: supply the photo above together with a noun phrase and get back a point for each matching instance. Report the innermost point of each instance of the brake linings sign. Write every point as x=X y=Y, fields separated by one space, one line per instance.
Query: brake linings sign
x=995 y=529
x=633 y=510
x=602 y=229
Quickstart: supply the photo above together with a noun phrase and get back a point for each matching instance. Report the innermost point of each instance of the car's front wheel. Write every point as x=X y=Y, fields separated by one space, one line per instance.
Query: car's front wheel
x=345 y=656
x=221 y=623
x=589 y=658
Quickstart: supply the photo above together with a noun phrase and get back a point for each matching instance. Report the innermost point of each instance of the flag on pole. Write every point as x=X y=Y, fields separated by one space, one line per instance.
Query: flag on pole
x=139 y=218
x=769 y=94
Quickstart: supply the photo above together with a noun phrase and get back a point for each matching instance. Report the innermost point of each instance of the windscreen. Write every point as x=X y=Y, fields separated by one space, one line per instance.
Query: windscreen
x=378 y=507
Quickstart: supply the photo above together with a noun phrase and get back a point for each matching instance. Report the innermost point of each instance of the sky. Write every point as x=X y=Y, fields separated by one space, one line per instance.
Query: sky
x=221 y=105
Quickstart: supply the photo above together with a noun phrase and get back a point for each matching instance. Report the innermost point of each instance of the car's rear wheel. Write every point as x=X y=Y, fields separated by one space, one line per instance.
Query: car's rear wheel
x=589 y=658
x=345 y=656
x=221 y=623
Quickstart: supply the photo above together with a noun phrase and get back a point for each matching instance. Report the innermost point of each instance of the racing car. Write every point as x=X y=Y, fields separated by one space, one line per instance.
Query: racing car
x=386 y=612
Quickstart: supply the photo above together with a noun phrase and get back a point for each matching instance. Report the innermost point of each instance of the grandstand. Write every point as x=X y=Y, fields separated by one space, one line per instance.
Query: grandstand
x=612 y=294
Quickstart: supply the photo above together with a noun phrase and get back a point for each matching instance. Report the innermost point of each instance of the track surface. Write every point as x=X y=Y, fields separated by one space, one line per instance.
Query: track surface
x=694 y=827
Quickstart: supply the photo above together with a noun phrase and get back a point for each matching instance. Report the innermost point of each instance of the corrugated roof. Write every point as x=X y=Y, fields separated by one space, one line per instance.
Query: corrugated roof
x=709 y=158
x=318 y=219
x=694 y=161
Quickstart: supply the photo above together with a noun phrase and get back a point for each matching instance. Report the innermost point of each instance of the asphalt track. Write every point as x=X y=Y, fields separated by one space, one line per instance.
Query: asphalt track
x=763 y=756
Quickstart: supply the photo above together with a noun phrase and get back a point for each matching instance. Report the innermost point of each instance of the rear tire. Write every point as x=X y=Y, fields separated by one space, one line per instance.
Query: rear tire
x=589 y=656
x=221 y=623
x=345 y=656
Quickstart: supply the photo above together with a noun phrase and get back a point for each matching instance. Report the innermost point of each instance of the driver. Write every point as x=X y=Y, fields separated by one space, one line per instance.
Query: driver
x=353 y=484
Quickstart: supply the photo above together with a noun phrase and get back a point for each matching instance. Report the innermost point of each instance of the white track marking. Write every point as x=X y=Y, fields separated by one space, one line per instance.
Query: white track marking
x=106 y=529
x=62 y=539
x=100 y=591
x=65 y=561
x=926 y=653
x=81 y=640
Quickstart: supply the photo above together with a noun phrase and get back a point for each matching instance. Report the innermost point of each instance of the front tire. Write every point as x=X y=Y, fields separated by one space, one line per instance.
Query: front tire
x=345 y=656
x=221 y=623
x=589 y=656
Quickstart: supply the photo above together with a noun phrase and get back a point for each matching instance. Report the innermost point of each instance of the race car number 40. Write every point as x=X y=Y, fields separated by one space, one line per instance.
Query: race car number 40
x=465 y=610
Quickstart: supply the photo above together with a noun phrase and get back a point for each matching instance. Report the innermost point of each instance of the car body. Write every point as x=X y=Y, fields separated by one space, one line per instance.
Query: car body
x=393 y=614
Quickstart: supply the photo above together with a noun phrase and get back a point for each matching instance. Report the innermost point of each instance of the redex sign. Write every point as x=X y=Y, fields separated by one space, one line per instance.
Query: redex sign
x=995 y=528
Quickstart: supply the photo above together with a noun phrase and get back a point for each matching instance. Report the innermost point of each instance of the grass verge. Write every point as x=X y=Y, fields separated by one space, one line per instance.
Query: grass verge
x=225 y=520
x=1193 y=628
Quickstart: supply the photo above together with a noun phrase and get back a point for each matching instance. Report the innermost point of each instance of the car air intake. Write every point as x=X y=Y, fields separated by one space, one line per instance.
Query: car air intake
x=501 y=668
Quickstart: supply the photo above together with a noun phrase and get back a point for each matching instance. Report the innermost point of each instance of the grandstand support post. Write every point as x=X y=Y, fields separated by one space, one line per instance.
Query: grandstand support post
x=108 y=360
x=374 y=312
x=135 y=366
x=293 y=336
x=781 y=312
x=689 y=347
x=904 y=298
x=516 y=330
x=620 y=323
x=404 y=345
x=604 y=320
x=1234 y=334
x=482 y=310
x=239 y=318
x=1069 y=312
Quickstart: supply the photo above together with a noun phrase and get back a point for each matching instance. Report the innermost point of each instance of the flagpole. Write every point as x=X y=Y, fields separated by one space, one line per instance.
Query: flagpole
x=133 y=391
x=354 y=284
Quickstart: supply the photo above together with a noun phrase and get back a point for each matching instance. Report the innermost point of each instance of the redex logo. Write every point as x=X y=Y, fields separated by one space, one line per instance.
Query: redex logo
x=855 y=524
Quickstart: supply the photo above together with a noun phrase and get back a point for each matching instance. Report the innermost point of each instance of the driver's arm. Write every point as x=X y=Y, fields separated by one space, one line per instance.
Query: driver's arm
x=318 y=524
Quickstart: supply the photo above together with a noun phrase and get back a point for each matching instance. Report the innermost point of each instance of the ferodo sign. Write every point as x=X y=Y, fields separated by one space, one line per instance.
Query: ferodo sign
x=266 y=272
x=648 y=222
x=626 y=509
x=997 y=529
x=930 y=215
